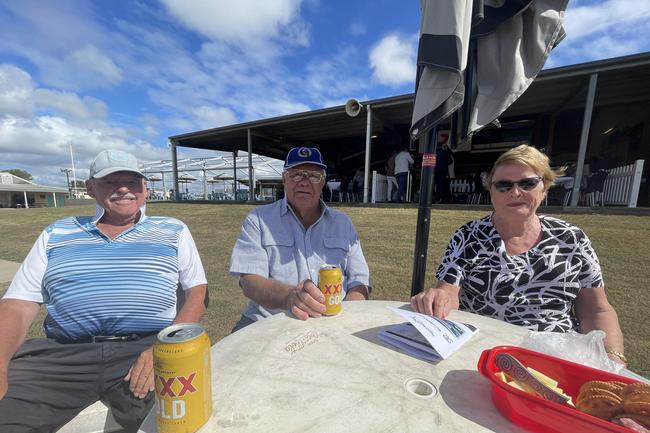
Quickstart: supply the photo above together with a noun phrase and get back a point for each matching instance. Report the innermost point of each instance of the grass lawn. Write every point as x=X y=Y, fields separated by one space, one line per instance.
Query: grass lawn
x=387 y=236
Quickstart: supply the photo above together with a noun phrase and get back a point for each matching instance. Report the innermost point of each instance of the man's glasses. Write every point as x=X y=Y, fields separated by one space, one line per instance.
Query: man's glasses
x=523 y=184
x=299 y=175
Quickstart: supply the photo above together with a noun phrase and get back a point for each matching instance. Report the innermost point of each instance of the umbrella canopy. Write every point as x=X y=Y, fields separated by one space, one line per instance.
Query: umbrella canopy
x=513 y=39
x=481 y=55
x=186 y=178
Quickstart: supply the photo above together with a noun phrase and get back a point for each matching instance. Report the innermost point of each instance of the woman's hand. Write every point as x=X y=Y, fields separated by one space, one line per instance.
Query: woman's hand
x=617 y=357
x=437 y=302
x=594 y=311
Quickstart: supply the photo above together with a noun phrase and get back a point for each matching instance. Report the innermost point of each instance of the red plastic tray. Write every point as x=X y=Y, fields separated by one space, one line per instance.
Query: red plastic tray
x=537 y=414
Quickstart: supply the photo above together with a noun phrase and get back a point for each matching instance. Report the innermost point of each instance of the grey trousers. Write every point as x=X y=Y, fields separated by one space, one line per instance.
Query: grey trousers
x=50 y=383
x=242 y=323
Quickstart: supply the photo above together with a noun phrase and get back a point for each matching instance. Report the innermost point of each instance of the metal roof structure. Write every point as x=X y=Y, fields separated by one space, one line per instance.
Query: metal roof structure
x=32 y=188
x=622 y=79
x=219 y=167
x=12 y=183
x=216 y=169
x=347 y=142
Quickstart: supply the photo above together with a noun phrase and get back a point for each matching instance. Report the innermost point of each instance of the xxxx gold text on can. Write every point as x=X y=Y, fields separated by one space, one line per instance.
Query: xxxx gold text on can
x=181 y=360
x=330 y=283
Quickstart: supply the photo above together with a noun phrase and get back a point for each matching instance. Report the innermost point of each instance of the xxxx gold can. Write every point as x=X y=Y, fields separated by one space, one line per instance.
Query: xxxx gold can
x=181 y=361
x=330 y=283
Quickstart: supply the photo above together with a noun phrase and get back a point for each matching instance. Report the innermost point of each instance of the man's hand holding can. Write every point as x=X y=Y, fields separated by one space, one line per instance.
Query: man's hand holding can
x=306 y=301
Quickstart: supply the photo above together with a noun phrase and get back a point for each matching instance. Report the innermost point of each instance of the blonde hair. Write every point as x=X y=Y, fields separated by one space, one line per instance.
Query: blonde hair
x=531 y=157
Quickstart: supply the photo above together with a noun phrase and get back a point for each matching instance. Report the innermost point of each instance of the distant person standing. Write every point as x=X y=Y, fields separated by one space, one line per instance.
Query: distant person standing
x=444 y=159
x=390 y=175
x=403 y=160
x=357 y=185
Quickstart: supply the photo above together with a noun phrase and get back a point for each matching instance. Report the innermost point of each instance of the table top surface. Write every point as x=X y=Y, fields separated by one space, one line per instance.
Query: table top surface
x=333 y=374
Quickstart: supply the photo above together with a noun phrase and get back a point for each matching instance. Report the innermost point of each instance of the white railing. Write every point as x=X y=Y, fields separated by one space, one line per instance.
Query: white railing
x=460 y=186
x=623 y=183
x=380 y=187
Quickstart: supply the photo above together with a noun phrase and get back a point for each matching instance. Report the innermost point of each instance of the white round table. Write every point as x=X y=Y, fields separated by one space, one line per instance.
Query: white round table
x=332 y=374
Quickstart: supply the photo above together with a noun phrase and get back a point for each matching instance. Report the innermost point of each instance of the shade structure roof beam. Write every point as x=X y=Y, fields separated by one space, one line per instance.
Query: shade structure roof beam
x=622 y=79
x=212 y=167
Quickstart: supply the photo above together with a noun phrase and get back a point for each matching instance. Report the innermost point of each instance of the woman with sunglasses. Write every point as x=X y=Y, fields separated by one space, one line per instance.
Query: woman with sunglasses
x=531 y=270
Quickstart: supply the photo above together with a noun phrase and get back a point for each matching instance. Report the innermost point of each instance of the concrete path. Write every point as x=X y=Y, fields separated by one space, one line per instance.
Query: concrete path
x=7 y=271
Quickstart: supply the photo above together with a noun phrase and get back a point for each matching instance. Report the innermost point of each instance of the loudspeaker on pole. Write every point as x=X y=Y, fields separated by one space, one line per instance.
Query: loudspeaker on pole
x=353 y=107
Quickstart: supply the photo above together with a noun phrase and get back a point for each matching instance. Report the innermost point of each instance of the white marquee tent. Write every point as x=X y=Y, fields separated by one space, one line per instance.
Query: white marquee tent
x=231 y=174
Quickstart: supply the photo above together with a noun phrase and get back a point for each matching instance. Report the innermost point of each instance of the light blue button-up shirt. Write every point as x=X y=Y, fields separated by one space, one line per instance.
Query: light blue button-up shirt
x=274 y=244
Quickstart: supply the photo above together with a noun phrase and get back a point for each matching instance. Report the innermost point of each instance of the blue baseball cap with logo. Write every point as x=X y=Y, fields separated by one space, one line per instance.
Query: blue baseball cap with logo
x=111 y=161
x=303 y=155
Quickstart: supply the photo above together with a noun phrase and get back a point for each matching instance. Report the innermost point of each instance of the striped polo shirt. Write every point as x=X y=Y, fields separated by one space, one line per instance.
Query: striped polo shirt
x=94 y=285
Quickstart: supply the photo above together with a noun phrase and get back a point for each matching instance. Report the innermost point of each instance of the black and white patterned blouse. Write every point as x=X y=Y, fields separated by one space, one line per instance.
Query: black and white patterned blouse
x=535 y=289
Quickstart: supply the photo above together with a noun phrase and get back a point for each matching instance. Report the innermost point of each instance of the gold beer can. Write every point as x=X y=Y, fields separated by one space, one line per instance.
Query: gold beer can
x=182 y=367
x=330 y=283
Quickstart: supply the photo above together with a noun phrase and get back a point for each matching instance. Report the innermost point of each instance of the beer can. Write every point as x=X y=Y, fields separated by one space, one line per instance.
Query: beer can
x=330 y=283
x=181 y=360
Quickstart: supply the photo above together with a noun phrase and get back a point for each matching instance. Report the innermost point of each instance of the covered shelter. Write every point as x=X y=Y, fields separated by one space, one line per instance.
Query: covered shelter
x=577 y=112
x=18 y=192
x=232 y=172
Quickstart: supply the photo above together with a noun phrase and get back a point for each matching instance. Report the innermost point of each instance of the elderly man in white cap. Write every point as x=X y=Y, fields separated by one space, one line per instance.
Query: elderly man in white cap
x=283 y=245
x=109 y=284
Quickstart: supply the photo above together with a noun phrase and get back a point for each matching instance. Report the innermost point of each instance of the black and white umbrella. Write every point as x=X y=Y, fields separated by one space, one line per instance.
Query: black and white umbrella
x=480 y=55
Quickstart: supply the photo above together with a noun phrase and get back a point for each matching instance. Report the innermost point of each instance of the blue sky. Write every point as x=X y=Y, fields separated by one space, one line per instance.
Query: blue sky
x=128 y=74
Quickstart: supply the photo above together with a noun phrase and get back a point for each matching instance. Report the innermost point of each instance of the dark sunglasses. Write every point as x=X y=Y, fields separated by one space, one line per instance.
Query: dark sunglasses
x=523 y=184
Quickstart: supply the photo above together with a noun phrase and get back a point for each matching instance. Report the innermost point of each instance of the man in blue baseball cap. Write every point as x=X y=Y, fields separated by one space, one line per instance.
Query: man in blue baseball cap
x=109 y=283
x=283 y=245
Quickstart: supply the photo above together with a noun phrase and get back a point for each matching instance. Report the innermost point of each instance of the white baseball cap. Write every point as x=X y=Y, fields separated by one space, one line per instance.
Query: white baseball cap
x=111 y=161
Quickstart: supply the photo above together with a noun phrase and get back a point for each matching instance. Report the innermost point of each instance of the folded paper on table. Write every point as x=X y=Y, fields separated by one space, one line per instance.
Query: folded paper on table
x=427 y=337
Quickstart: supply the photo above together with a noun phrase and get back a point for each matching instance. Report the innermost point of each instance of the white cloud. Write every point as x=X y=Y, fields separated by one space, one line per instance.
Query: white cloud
x=585 y=19
x=602 y=30
x=149 y=124
x=37 y=126
x=53 y=27
x=239 y=74
x=281 y=107
x=245 y=61
x=339 y=76
x=19 y=97
x=62 y=39
x=242 y=22
x=358 y=29
x=608 y=46
x=95 y=68
x=393 y=60
x=42 y=144
x=213 y=117
x=70 y=105
x=180 y=124
x=15 y=91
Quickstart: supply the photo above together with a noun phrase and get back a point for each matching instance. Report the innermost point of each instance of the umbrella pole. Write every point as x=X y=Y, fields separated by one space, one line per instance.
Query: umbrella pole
x=424 y=211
